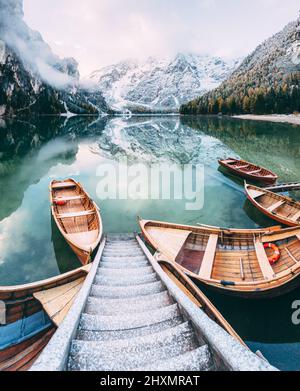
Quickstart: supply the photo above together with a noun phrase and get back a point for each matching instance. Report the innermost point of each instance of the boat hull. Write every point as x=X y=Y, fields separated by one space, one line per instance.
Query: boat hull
x=259 y=294
x=273 y=216
x=76 y=228
x=245 y=175
x=20 y=301
x=21 y=357
x=28 y=325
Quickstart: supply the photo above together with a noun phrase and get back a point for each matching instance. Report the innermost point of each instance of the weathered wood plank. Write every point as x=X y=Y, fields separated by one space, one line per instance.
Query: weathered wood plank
x=263 y=260
x=209 y=257
x=63 y=185
x=169 y=241
x=76 y=214
x=275 y=206
x=57 y=301
x=296 y=217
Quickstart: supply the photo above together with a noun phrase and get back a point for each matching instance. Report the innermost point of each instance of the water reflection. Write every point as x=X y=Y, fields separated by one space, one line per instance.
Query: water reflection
x=272 y=145
x=159 y=139
x=31 y=154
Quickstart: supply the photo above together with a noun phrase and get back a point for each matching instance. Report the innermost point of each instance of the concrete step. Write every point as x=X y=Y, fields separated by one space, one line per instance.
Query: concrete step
x=126 y=280
x=118 y=262
x=127 y=321
x=123 y=252
x=198 y=360
x=133 y=352
x=127 y=291
x=88 y=335
x=129 y=306
x=125 y=259
x=134 y=272
x=123 y=255
x=121 y=245
x=120 y=237
x=123 y=265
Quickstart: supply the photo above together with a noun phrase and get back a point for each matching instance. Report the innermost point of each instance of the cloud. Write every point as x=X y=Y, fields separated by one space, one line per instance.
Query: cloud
x=108 y=31
x=33 y=51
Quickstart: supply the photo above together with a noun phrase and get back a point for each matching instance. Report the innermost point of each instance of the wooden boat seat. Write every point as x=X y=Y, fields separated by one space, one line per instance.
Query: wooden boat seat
x=81 y=197
x=229 y=161
x=291 y=255
x=83 y=239
x=296 y=216
x=254 y=172
x=256 y=193
x=245 y=166
x=276 y=206
x=76 y=214
x=209 y=257
x=63 y=185
x=263 y=261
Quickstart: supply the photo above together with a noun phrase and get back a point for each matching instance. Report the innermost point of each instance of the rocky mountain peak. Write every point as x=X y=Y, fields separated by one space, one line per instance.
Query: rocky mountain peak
x=161 y=84
x=33 y=80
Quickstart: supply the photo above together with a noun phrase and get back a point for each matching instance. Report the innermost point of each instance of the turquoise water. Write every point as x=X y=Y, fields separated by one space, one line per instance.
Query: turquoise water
x=33 y=153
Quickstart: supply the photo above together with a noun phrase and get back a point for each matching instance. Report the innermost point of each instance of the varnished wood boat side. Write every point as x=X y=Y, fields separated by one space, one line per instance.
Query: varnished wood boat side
x=56 y=302
x=22 y=356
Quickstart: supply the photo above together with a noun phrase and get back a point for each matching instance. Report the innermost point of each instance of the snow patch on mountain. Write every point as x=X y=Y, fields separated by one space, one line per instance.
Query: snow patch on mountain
x=160 y=84
x=33 y=80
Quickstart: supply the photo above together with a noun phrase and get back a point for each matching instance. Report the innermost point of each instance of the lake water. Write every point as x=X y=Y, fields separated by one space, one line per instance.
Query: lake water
x=33 y=153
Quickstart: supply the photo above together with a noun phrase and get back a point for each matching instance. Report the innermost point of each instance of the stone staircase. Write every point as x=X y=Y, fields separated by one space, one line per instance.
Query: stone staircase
x=130 y=322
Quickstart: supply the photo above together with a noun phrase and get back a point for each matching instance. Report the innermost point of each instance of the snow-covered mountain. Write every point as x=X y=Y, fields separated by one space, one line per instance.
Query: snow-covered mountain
x=33 y=80
x=266 y=82
x=158 y=84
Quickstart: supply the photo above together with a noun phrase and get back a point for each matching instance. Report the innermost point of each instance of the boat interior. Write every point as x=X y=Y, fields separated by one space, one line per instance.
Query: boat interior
x=236 y=258
x=75 y=212
x=227 y=255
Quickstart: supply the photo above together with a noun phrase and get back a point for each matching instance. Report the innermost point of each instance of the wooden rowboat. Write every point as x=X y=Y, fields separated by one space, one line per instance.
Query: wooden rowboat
x=230 y=260
x=77 y=217
x=30 y=314
x=278 y=207
x=249 y=170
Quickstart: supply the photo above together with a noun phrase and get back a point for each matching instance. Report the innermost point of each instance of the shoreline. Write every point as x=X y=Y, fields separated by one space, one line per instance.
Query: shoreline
x=281 y=118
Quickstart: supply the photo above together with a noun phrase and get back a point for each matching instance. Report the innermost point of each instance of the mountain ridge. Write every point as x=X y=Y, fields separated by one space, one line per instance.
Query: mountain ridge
x=266 y=82
x=33 y=80
x=160 y=84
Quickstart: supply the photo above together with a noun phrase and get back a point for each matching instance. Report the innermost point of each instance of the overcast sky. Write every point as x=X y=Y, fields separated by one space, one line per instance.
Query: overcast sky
x=102 y=32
